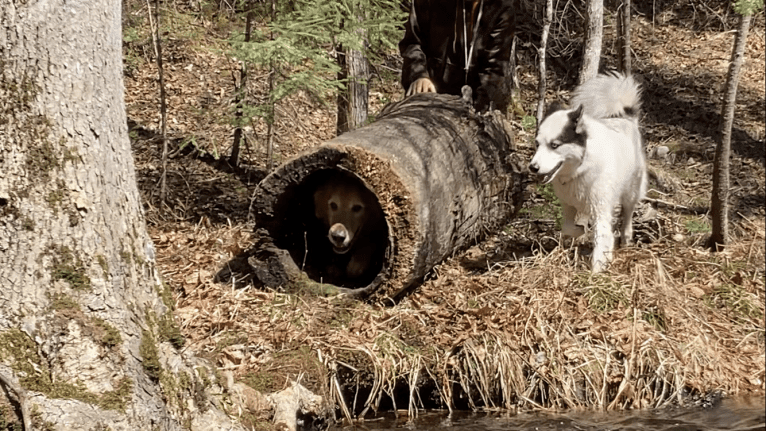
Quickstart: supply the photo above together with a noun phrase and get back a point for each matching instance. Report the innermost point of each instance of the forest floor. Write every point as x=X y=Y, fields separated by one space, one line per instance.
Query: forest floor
x=514 y=322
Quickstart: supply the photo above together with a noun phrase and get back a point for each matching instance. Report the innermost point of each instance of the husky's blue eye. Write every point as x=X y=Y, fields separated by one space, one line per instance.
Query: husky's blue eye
x=555 y=144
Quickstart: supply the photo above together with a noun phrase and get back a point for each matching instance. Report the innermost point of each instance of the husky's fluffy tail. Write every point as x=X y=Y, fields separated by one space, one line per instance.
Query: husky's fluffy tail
x=609 y=95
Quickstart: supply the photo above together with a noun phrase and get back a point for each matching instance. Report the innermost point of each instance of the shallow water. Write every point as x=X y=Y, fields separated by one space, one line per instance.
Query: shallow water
x=741 y=415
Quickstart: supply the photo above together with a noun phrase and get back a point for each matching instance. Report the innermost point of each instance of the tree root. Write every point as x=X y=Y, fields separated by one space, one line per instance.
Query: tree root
x=20 y=395
x=297 y=408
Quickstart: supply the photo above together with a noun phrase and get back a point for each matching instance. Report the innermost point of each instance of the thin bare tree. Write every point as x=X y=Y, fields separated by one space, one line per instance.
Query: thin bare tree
x=623 y=29
x=541 y=53
x=240 y=89
x=719 y=205
x=272 y=117
x=163 y=99
x=594 y=34
x=352 y=103
x=355 y=72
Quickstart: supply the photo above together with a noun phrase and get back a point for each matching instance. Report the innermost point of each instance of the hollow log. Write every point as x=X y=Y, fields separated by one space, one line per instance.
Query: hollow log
x=443 y=175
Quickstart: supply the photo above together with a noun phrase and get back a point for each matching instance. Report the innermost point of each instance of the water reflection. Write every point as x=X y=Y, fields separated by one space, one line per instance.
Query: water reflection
x=740 y=415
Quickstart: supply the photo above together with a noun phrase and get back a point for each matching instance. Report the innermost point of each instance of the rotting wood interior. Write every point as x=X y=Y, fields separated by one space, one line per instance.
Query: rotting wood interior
x=305 y=237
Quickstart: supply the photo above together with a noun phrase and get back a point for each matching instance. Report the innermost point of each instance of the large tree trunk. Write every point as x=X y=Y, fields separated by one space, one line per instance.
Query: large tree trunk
x=443 y=175
x=83 y=324
x=594 y=34
x=719 y=206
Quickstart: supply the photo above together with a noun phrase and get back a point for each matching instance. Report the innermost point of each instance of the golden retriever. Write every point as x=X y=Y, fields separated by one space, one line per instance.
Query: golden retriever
x=350 y=212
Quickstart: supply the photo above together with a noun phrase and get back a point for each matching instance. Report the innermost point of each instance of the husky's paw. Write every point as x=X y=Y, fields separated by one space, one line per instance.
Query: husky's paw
x=626 y=237
x=600 y=259
x=599 y=266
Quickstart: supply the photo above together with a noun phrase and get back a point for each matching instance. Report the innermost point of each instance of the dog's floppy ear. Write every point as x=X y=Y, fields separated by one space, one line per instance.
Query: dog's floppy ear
x=552 y=107
x=576 y=118
x=321 y=195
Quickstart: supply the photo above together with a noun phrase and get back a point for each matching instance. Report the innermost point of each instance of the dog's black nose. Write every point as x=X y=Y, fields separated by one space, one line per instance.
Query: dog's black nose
x=338 y=236
x=533 y=168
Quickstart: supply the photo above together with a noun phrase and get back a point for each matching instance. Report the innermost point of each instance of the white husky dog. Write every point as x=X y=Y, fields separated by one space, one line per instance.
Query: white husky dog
x=593 y=155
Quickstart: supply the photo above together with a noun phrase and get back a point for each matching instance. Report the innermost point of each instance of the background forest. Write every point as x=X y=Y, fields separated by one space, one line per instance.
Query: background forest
x=250 y=84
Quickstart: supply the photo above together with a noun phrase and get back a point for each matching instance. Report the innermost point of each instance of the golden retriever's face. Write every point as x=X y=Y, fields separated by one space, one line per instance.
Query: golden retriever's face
x=343 y=206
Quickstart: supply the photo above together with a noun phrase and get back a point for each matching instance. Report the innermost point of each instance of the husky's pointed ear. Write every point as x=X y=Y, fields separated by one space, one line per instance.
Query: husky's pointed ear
x=552 y=107
x=576 y=117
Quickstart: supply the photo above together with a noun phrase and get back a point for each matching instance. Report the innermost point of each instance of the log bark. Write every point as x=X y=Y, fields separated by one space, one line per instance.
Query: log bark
x=444 y=176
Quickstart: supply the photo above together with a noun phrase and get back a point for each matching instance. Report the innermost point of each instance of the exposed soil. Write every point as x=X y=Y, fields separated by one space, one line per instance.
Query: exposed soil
x=515 y=321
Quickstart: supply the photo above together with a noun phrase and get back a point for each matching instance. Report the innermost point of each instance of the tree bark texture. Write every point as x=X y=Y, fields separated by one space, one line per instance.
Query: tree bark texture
x=352 y=103
x=594 y=34
x=719 y=205
x=79 y=292
x=443 y=175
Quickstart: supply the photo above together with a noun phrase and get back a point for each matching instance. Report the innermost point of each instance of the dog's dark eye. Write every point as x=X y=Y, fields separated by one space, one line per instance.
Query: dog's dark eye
x=333 y=206
x=356 y=208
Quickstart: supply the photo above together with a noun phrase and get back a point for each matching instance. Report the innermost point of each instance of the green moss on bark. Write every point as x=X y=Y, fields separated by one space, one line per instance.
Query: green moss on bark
x=19 y=351
x=150 y=358
x=68 y=267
